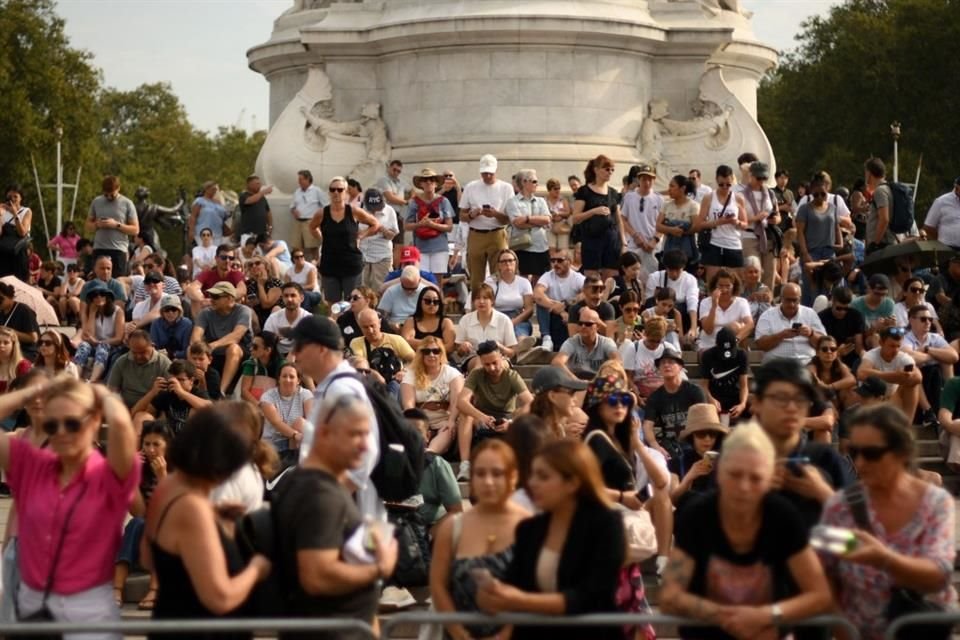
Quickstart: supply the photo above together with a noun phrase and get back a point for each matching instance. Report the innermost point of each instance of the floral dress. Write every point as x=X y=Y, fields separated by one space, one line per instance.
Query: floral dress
x=866 y=591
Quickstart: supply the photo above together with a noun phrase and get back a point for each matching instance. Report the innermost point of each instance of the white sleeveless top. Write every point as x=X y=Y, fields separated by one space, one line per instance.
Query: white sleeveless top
x=728 y=235
x=301 y=278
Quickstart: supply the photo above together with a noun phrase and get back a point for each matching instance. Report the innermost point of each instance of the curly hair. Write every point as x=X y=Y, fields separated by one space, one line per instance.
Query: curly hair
x=420 y=379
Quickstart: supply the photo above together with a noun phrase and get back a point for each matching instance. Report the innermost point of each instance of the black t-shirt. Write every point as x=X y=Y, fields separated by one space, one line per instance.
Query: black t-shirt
x=53 y=285
x=604 y=310
x=454 y=200
x=591 y=200
x=253 y=217
x=314 y=512
x=668 y=411
x=23 y=319
x=723 y=375
x=834 y=468
x=722 y=575
x=175 y=409
x=617 y=471
x=843 y=329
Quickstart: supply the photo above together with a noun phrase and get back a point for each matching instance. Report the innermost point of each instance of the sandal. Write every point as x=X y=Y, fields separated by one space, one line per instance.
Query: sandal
x=118 y=596
x=148 y=601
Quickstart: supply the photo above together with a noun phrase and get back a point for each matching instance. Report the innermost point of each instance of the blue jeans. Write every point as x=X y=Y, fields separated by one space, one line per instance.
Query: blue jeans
x=521 y=329
x=310 y=300
x=810 y=289
x=552 y=325
x=130 y=543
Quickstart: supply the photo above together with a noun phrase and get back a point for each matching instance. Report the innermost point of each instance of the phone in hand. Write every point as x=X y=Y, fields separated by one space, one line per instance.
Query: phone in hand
x=908 y=368
x=797 y=326
x=796 y=463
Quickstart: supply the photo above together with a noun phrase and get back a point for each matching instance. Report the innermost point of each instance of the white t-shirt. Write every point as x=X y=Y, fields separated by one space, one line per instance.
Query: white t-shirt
x=685 y=287
x=702 y=191
x=478 y=193
x=944 y=216
x=726 y=236
x=565 y=289
x=245 y=486
x=643 y=221
x=898 y=363
x=203 y=258
x=509 y=295
x=500 y=329
x=737 y=311
x=377 y=248
x=289 y=408
x=143 y=308
x=301 y=278
x=439 y=388
x=278 y=320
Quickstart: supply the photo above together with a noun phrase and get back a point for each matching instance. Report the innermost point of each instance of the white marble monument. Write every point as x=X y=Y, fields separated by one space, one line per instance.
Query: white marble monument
x=545 y=84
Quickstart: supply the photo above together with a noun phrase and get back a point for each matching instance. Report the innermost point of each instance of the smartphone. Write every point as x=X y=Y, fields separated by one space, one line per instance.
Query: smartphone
x=797 y=326
x=711 y=456
x=908 y=368
x=796 y=463
x=486 y=206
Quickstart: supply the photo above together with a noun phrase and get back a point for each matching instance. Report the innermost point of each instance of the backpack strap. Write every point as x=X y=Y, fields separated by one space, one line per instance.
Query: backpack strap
x=856 y=499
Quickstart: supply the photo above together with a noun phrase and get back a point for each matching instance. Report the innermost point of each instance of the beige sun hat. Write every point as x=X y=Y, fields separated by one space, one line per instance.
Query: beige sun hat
x=427 y=174
x=702 y=417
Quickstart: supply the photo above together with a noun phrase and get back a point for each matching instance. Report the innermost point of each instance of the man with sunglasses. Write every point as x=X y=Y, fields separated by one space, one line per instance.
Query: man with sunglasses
x=221 y=272
x=555 y=290
x=113 y=220
x=895 y=367
x=584 y=352
x=877 y=307
x=665 y=412
x=790 y=330
x=227 y=327
x=155 y=264
x=846 y=325
x=592 y=293
x=934 y=357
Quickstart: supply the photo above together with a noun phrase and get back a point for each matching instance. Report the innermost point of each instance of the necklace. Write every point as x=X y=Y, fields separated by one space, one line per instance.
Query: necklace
x=285 y=413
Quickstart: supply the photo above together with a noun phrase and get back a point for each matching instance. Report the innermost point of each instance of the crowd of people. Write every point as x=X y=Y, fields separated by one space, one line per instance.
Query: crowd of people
x=720 y=372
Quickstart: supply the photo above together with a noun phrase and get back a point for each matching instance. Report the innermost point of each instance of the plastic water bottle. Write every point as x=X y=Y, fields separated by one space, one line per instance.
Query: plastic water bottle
x=834 y=540
x=339 y=307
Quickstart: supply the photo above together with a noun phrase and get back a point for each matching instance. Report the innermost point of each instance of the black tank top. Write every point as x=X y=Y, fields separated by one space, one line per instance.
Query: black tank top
x=340 y=256
x=420 y=334
x=176 y=597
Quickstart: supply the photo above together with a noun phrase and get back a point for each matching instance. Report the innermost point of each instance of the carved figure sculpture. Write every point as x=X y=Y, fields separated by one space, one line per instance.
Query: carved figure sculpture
x=151 y=214
x=370 y=128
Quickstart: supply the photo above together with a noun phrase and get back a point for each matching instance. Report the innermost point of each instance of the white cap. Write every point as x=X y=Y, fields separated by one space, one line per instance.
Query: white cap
x=488 y=164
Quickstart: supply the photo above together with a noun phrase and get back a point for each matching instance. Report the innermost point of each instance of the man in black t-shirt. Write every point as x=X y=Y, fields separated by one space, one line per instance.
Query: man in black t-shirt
x=173 y=397
x=846 y=325
x=665 y=412
x=255 y=215
x=593 y=299
x=725 y=368
x=330 y=562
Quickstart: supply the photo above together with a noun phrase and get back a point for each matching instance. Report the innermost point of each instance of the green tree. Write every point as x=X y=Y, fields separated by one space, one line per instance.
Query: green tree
x=866 y=64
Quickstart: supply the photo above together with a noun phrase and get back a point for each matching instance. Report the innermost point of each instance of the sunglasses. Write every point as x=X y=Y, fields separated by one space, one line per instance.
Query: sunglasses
x=828 y=349
x=356 y=298
x=532 y=181
x=557 y=260
x=297 y=256
x=430 y=351
x=869 y=453
x=897 y=332
x=620 y=399
x=916 y=289
x=70 y=425
x=431 y=301
x=924 y=318
x=337 y=189
x=724 y=185
x=224 y=256
x=448 y=175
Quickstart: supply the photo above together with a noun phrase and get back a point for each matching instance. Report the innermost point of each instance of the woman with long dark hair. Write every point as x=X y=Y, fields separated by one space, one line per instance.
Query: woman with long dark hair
x=831 y=375
x=101 y=331
x=629 y=279
x=722 y=215
x=52 y=355
x=260 y=372
x=596 y=213
x=15 y=220
x=428 y=320
x=678 y=217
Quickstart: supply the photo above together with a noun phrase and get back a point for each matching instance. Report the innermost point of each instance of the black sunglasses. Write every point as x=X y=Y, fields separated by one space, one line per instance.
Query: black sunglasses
x=828 y=349
x=428 y=351
x=623 y=399
x=223 y=256
x=355 y=298
x=46 y=343
x=297 y=256
x=431 y=301
x=869 y=453
x=337 y=189
x=916 y=289
x=587 y=323
x=70 y=425
x=924 y=318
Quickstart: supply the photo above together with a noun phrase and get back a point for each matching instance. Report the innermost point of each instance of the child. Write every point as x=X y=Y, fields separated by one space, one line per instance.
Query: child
x=208 y=378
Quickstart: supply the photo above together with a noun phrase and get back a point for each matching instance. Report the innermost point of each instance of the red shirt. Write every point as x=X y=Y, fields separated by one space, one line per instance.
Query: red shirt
x=22 y=367
x=211 y=277
x=93 y=537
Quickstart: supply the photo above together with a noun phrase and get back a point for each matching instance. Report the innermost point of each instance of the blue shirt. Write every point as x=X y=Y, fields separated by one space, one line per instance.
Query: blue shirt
x=284 y=256
x=398 y=305
x=211 y=216
x=173 y=337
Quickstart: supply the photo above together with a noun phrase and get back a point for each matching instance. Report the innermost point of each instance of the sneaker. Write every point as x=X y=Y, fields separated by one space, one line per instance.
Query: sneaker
x=662 y=562
x=396 y=598
x=547 y=344
x=929 y=419
x=525 y=344
x=464 y=474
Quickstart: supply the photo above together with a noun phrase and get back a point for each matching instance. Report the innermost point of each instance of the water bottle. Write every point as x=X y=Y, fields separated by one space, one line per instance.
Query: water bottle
x=834 y=540
x=339 y=307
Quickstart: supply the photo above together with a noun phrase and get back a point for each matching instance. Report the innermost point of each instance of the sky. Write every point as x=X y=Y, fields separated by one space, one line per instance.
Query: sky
x=199 y=47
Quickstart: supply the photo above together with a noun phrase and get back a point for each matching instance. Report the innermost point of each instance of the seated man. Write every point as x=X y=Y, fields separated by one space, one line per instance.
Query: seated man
x=196 y=291
x=148 y=309
x=133 y=373
x=276 y=253
x=374 y=340
x=286 y=318
x=227 y=328
x=173 y=396
x=933 y=356
x=171 y=333
x=593 y=299
x=876 y=307
x=586 y=351
x=895 y=367
x=556 y=290
x=846 y=325
x=492 y=394
x=103 y=270
x=400 y=303
x=789 y=331
x=665 y=413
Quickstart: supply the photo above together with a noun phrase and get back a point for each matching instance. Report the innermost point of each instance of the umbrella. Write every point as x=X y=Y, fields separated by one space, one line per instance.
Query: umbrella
x=917 y=254
x=33 y=298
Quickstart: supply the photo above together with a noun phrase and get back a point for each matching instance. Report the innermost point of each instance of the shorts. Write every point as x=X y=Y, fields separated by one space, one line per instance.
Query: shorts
x=303 y=237
x=714 y=256
x=437 y=262
x=601 y=251
x=533 y=264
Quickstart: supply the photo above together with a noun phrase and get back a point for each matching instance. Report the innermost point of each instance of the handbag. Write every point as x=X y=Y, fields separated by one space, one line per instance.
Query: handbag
x=520 y=239
x=903 y=601
x=43 y=614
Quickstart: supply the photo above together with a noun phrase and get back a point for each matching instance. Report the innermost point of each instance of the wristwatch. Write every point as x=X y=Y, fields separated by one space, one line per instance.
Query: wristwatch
x=776 y=614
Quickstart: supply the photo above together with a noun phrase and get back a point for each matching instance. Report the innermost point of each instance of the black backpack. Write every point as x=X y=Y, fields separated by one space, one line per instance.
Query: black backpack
x=901 y=208
x=399 y=470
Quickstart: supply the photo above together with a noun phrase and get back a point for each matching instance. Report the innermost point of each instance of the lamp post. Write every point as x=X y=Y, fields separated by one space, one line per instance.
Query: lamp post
x=895 y=132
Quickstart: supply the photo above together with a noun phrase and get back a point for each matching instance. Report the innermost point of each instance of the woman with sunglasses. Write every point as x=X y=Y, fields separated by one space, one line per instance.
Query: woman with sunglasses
x=722 y=215
x=433 y=386
x=513 y=295
x=597 y=214
x=914 y=294
x=52 y=355
x=629 y=324
x=204 y=255
x=361 y=298
x=338 y=224
x=428 y=320
x=12 y=363
x=818 y=234
x=50 y=484
x=304 y=273
x=903 y=526
x=832 y=377
x=101 y=332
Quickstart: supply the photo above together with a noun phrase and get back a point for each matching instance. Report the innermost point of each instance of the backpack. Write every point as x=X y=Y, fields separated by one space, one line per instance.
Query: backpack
x=384 y=361
x=901 y=208
x=428 y=210
x=399 y=470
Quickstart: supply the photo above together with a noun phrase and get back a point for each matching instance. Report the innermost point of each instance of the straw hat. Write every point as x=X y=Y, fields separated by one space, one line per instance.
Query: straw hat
x=427 y=174
x=702 y=417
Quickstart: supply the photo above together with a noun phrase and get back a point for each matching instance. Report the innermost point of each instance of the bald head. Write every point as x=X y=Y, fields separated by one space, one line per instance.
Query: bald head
x=589 y=315
x=369 y=323
x=790 y=300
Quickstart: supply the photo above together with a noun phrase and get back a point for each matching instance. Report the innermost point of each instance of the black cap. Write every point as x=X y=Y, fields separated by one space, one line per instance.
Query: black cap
x=669 y=353
x=872 y=387
x=956 y=181
x=879 y=280
x=317 y=330
x=552 y=377
x=373 y=200
x=726 y=342
x=152 y=278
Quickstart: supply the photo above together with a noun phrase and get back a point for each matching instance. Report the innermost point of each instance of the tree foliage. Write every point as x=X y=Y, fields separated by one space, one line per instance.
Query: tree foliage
x=865 y=65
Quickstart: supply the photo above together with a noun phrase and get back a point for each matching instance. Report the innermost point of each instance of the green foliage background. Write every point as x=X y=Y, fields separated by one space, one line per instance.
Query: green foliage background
x=829 y=105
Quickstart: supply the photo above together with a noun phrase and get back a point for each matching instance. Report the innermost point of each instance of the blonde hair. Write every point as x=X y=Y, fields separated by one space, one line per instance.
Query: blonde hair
x=420 y=380
x=655 y=327
x=66 y=386
x=614 y=368
x=749 y=437
x=8 y=370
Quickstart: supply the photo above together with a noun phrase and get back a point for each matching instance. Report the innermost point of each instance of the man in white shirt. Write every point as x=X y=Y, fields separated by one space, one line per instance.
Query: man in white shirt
x=283 y=320
x=684 y=286
x=483 y=206
x=943 y=220
x=556 y=290
x=307 y=199
x=790 y=331
x=377 y=250
x=148 y=310
x=640 y=209
x=395 y=193
x=700 y=190
x=895 y=367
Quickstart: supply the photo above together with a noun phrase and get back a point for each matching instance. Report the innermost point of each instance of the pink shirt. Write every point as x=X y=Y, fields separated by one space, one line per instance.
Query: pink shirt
x=93 y=539
x=66 y=246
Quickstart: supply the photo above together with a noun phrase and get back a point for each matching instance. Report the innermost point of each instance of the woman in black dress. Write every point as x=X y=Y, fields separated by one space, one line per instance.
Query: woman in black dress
x=338 y=227
x=597 y=214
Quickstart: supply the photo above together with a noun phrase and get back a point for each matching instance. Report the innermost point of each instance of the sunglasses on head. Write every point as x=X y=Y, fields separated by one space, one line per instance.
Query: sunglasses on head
x=430 y=351
x=869 y=453
x=619 y=399
x=71 y=425
x=897 y=332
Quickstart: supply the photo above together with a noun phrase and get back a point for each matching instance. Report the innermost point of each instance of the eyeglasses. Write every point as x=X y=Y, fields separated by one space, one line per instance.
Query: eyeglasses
x=224 y=256
x=828 y=349
x=783 y=400
x=431 y=301
x=337 y=189
x=587 y=323
x=557 y=260
x=46 y=343
x=169 y=309
x=70 y=425
x=356 y=298
x=427 y=351
x=924 y=318
x=916 y=289
x=619 y=399
x=869 y=453
x=297 y=256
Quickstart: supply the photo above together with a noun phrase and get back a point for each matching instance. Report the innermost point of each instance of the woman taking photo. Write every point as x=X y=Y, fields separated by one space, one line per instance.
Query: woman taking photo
x=513 y=295
x=832 y=377
x=903 y=525
x=676 y=220
x=559 y=566
x=433 y=386
x=199 y=569
x=722 y=215
x=553 y=399
x=101 y=332
x=558 y=235
x=285 y=409
x=52 y=355
x=68 y=472
x=629 y=324
x=478 y=542
x=341 y=263
x=703 y=436
x=428 y=321
x=596 y=213
x=12 y=363
x=742 y=527
x=260 y=372
x=429 y=217
x=15 y=220
x=723 y=308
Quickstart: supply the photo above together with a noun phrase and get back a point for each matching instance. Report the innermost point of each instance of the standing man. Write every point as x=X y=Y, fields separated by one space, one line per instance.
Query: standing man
x=700 y=190
x=483 y=207
x=113 y=221
x=255 y=215
x=943 y=220
x=878 y=218
x=785 y=198
x=640 y=209
x=307 y=199
x=394 y=192
x=377 y=249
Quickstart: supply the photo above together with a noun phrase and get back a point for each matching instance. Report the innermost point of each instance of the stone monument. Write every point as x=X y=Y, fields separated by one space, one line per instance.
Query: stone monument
x=545 y=84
